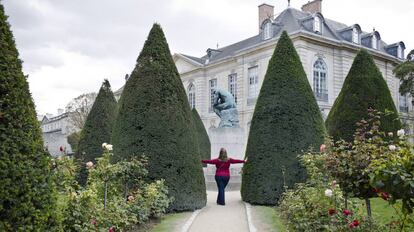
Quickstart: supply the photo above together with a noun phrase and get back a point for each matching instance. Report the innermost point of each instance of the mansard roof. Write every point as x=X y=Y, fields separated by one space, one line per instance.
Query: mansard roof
x=292 y=20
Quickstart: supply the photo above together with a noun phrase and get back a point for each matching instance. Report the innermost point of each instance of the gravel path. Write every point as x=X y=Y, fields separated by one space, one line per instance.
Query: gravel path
x=217 y=218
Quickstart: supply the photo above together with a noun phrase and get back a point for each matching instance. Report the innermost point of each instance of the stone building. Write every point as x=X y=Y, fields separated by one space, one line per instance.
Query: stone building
x=326 y=48
x=55 y=130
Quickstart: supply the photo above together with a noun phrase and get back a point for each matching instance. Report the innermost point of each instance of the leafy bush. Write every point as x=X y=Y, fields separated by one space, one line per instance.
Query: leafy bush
x=318 y=204
x=116 y=196
x=286 y=121
x=27 y=196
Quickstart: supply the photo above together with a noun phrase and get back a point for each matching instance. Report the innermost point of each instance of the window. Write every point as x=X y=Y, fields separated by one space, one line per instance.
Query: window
x=253 y=76
x=233 y=85
x=403 y=103
x=355 y=35
x=374 y=42
x=319 y=80
x=191 y=95
x=317 y=24
x=213 y=85
x=267 y=30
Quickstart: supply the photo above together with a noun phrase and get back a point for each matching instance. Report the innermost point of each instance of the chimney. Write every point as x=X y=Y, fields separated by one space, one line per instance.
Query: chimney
x=60 y=111
x=265 y=11
x=313 y=7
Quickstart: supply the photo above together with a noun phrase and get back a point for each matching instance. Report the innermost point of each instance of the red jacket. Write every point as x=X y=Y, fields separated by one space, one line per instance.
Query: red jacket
x=223 y=166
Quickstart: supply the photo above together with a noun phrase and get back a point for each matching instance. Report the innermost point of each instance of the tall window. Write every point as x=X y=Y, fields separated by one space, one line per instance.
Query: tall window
x=233 y=85
x=374 y=42
x=191 y=95
x=319 y=80
x=253 y=76
x=317 y=24
x=267 y=30
x=213 y=85
x=404 y=103
x=355 y=35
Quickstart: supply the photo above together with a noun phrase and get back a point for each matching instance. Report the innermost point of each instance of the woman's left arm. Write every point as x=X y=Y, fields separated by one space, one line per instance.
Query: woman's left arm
x=236 y=161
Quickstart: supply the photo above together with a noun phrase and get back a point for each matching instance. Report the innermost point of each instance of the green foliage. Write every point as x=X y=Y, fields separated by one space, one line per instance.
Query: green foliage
x=98 y=125
x=26 y=193
x=286 y=121
x=405 y=72
x=203 y=139
x=364 y=88
x=155 y=119
x=90 y=209
x=308 y=206
x=73 y=140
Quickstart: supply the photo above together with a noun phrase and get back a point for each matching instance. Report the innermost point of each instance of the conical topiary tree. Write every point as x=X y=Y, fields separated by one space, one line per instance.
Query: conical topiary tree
x=26 y=193
x=363 y=88
x=203 y=139
x=286 y=122
x=155 y=119
x=97 y=129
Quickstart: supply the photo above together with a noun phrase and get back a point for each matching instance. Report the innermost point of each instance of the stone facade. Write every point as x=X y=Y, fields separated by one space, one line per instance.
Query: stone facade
x=324 y=47
x=55 y=132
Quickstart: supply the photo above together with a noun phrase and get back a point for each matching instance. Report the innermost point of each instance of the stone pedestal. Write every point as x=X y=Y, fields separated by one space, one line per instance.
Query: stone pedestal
x=234 y=141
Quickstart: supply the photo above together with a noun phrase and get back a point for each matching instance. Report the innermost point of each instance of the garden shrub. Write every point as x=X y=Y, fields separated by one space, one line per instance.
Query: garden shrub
x=90 y=209
x=318 y=204
x=286 y=121
x=364 y=87
x=27 y=198
x=97 y=129
x=203 y=139
x=155 y=119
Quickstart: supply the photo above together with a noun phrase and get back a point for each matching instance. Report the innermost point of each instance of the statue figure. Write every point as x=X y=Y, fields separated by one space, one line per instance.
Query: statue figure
x=225 y=107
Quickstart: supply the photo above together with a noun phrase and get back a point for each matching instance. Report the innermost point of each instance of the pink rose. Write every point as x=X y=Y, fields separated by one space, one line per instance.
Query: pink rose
x=322 y=148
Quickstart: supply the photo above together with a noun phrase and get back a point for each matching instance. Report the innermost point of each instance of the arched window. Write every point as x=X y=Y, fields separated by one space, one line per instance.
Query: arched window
x=191 y=95
x=317 y=24
x=320 y=80
x=267 y=30
x=374 y=41
x=355 y=35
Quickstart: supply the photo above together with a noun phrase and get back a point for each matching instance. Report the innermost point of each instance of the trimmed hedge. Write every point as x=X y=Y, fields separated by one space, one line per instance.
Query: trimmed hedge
x=98 y=125
x=286 y=122
x=97 y=129
x=363 y=88
x=155 y=119
x=27 y=199
x=203 y=139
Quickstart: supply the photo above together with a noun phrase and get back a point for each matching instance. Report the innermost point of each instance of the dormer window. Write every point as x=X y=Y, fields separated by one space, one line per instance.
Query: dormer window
x=374 y=42
x=317 y=24
x=267 y=30
x=355 y=35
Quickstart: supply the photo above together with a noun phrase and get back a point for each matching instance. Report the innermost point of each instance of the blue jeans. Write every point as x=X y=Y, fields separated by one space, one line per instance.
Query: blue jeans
x=222 y=182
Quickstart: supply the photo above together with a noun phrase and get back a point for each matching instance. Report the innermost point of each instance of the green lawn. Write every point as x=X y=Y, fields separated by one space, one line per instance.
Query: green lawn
x=271 y=217
x=169 y=222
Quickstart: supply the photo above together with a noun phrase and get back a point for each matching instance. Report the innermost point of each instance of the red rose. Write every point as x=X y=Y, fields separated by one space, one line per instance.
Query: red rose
x=347 y=212
x=111 y=229
x=355 y=222
x=331 y=212
x=61 y=148
x=375 y=190
x=385 y=196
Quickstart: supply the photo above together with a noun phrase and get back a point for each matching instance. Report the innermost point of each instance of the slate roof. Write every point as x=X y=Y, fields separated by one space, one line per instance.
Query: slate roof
x=291 y=20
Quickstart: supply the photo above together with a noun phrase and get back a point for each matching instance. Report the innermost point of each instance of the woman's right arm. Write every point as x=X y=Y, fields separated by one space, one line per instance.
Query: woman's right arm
x=213 y=161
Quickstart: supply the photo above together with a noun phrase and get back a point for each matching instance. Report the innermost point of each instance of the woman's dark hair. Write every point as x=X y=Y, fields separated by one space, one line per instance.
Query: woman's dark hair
x=223 y=154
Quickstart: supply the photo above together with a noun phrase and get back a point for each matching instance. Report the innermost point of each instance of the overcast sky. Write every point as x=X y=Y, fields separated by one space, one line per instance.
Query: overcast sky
x=70 y=46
